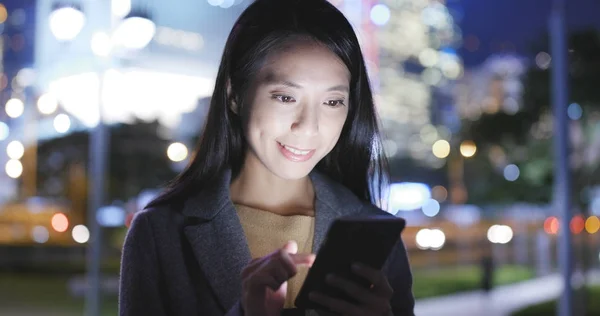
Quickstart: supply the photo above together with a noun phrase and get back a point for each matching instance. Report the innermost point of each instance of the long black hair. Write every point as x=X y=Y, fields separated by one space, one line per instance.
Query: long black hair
x=357 y=160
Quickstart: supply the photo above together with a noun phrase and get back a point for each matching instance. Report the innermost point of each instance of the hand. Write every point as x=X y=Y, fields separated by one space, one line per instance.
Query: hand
x=373 y=301
x=264 y=280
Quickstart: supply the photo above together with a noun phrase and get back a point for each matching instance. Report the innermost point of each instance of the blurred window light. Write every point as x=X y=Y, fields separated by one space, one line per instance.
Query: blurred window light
x=543 y=60
x=134 y=32
x=551 y=225
x=380 y=14
x=101 y=44
x=511 y=172
x=120 y=8
x=441 y=148
x=500 y=234
x=80 y=234
x=4 y=131
x=15 y=149
x=433 y=239
x=62 y=123
x=407 y=196
x=14 y=107
x=40 y=234
x=592 y=224
x=14 y=168
x=66 y=23
x=574 y=111
x=439 y=193
x=47 y=104
x=25 y=77
x=431 y=208
x=177 y=152
x=60 y=222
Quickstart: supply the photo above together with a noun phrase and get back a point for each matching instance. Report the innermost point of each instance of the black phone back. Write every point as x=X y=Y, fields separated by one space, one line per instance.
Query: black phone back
x=366 y=240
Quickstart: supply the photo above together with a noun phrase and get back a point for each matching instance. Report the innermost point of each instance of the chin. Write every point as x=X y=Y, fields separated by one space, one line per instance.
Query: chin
x=293 y=172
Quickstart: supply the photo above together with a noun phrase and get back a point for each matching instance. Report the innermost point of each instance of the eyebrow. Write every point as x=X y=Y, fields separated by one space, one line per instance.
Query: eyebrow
x=274 y=79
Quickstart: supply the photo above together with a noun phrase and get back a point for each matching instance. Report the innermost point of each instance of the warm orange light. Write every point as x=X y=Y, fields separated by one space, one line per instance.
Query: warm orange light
x=577 y=224
x=551 y=225
x=592 y=224
x=60 y=222
x=439 y=193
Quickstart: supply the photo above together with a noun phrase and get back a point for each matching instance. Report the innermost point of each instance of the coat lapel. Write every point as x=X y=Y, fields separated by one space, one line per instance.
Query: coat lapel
x=218 y=241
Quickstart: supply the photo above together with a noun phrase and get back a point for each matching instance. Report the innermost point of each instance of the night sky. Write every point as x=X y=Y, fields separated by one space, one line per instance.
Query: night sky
x=513 y=25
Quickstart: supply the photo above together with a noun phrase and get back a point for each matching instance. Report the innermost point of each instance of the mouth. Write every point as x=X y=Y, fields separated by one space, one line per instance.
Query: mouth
x=295 y=154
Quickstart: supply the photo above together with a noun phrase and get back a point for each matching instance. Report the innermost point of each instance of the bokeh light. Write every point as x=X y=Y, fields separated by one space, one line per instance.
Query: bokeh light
x=81 y=234
x=177 y=152
x=47 y=104
x=62 y=123
x=592 y=224
x=468 y=148
x=431 y=208
x=14 y=107
x=577 y=224
x=60 y=222
x=500 y=234
x=551 y=225
x=441 y=148
x=380 y=14
x=15 y=150
x=14 y=168
x=511 y=172
x=4 y=131
x=40 y=234
x=439 y=193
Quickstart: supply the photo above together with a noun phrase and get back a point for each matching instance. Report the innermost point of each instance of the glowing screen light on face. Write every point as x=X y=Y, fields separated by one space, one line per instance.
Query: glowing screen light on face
x=408 y=196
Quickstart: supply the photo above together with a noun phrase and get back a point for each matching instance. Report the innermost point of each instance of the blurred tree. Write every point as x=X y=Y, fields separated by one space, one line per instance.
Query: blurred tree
x=137 y=161
x=524 y=138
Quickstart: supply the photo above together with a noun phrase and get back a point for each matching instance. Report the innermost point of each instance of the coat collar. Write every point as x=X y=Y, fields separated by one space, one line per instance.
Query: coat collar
x=217 y=237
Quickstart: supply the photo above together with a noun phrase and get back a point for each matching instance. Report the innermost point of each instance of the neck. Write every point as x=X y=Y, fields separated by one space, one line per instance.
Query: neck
x=258 y=188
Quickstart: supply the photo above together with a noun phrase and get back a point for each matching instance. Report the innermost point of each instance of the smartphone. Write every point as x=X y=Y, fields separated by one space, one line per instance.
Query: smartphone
x=366 y=240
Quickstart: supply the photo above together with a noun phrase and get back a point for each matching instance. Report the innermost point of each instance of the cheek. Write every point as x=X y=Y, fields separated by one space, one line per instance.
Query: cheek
x=265 y=123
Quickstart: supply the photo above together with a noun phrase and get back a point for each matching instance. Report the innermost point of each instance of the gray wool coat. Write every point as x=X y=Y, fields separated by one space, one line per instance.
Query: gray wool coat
x=187 y=259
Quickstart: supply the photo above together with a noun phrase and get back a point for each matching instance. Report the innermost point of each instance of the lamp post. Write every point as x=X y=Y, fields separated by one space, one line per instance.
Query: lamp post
x=131 y=30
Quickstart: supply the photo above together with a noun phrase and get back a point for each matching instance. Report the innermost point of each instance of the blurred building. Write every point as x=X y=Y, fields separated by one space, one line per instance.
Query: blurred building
x=494 y=86
x=417 y=65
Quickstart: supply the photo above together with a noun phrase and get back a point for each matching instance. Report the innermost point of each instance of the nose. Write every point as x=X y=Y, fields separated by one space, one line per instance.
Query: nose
x=307 y=122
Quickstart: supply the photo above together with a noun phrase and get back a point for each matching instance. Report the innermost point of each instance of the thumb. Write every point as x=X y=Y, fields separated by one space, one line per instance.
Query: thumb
x=291 y=247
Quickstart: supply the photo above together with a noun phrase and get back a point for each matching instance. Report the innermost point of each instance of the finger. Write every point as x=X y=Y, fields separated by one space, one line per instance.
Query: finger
x=291 y=247
x=336 y=305
x=276 y=269
x=252 y=266
x=303 y=259
x=358 y=292
x=376 y=277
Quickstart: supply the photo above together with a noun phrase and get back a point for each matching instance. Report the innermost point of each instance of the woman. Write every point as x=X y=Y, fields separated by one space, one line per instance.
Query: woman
x=287 y=148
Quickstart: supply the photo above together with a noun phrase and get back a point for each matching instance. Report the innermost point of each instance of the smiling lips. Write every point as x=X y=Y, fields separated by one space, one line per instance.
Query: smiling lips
x=295 y=154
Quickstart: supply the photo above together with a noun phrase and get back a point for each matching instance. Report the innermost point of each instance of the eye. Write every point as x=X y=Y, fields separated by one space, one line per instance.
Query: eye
x=335 y=103
x=284 y=98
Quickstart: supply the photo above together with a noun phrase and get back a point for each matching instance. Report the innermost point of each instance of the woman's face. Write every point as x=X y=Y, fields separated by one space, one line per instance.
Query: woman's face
x=299 y=106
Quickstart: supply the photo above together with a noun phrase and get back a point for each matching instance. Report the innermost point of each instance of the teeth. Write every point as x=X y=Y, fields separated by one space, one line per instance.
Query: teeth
x=296 y=151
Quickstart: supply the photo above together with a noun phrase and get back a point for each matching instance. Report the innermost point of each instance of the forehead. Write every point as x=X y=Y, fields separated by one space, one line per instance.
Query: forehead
x=304 y=61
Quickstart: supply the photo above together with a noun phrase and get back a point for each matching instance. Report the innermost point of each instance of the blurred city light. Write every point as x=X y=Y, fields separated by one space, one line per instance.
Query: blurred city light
x=500 y=234
x=177 y=152
x=441 y=148
x=62 y=123
x=543 y=60
x=592 y=224
x=407 y=196
x=14 y=168
x=439 y=193
x=25 y=77
x=468 y=148
x=111 y=216
x=101 y=44
x=3 y=13
x=574 y=111
x=4 y=131
x=511 y=172
x=60 y=222
x=431 y=208
x=577 y=224
x=40 y=234
x=380 y=14
x=80 y=234
x=120 y=8
x=15 y=149
x=66 y=23
x=134 y=32
x=47 y=103
x=551 y=225
x=433 y=239
x=14 y=107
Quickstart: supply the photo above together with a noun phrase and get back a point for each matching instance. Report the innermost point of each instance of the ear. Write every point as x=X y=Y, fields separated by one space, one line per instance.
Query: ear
x=231 y=99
